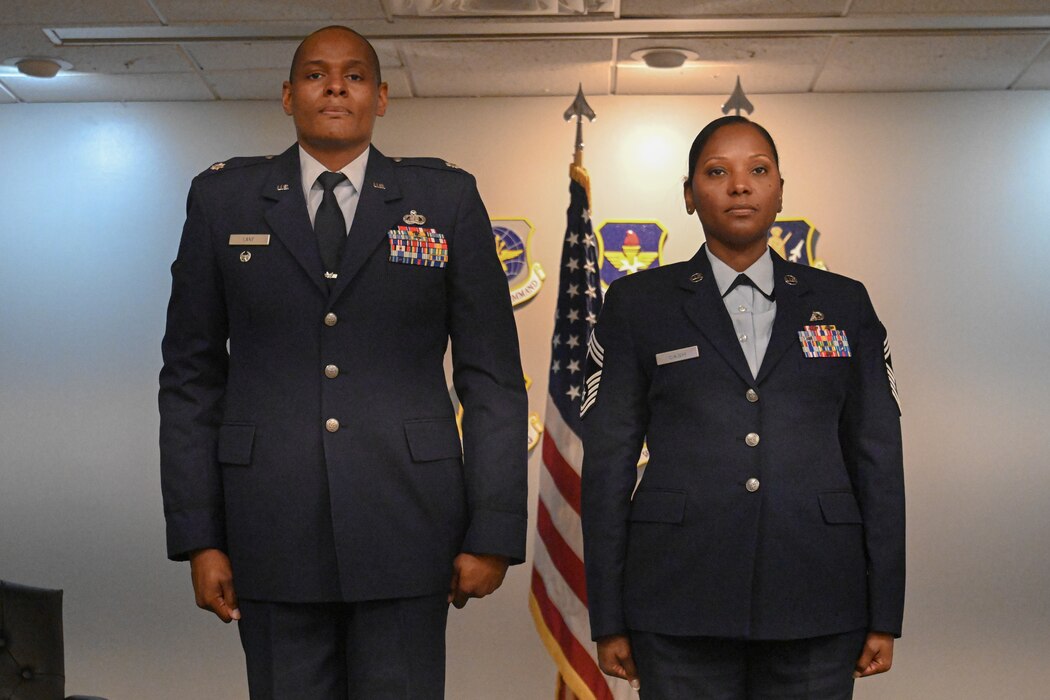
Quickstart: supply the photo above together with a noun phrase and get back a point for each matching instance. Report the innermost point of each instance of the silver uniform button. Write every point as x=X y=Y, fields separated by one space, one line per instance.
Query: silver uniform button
x=752 y=484
x=751 y=395
x=330 y=319
x=743 y=338
x=331 y=425
x=741 y=308
x=331 y=371
x=751 y=439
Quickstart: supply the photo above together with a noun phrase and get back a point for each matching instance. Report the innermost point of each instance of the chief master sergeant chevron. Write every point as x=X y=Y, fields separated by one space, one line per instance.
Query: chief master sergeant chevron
x=311 y=467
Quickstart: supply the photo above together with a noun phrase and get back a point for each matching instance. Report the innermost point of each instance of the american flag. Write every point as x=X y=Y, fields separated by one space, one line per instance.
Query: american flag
x=558 y=596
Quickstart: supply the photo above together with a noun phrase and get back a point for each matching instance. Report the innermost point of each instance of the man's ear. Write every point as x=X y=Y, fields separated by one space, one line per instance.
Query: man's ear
x=286 y=97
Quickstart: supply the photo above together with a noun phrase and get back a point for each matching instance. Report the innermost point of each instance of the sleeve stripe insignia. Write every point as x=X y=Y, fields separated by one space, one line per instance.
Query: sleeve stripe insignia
x=889 y=373
x=595 y=360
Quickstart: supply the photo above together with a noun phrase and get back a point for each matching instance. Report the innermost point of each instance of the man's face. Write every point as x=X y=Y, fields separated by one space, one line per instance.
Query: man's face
x=334 y=99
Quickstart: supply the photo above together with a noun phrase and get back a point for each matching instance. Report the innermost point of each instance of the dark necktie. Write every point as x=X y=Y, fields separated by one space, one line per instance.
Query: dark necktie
x=745 y=281
x=329 y=224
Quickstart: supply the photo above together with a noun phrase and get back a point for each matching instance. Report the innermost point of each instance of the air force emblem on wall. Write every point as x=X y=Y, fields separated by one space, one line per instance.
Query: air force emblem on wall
x=626 y=247
x=525 y=277
x=795 y=240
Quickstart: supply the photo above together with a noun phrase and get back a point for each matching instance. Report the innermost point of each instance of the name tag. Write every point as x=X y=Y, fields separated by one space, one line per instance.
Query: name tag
x=666 y=358
x=249 y=239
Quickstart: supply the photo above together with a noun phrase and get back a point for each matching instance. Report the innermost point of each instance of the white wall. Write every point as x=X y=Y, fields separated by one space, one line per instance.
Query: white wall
x=939 y=202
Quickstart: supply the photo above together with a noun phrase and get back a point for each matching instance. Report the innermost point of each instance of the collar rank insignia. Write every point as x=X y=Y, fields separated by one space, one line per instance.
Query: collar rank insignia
x=414 y=219
x=379 y=185
x=795 y=240
x=282 y=188
x=823 y=341
x=626 y=247
x=524 y=277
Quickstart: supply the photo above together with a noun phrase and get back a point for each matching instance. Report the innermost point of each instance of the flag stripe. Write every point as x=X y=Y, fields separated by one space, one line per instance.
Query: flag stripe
x=586 y=668
x=567 y=480
x=564 y=559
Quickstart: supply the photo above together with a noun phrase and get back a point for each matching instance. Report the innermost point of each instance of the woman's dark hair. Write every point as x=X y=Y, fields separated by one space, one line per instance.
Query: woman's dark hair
x=701 y=139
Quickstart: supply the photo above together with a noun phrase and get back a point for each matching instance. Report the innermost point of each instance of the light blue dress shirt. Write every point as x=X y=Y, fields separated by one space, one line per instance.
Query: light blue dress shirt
x=347 y=193
x=752 y=314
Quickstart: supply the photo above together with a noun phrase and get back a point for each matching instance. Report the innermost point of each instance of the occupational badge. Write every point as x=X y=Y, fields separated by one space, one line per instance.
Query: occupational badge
x=795 y=240
x=524 y=277
x=626 y=247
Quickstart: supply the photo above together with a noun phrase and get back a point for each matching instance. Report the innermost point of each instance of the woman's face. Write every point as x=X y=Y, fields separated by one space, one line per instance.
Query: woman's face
x=736 y=188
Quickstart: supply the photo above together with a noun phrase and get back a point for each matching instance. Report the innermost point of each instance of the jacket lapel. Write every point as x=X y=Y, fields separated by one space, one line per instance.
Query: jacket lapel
x=288 y=218
x=792 y=314
x=376 y=213
x=707 y=311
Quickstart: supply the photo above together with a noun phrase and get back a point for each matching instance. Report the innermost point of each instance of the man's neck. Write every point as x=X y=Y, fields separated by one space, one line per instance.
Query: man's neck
x=335 y=159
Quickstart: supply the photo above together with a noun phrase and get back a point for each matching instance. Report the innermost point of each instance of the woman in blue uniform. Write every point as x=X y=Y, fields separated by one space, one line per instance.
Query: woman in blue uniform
x=762 y=554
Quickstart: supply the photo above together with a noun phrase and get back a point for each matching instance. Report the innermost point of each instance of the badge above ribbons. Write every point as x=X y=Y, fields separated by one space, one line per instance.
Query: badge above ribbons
x=626 y=247
x=795 y=240
x=525 y=277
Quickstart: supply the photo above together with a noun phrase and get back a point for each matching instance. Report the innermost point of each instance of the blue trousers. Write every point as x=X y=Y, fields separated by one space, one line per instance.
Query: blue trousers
x=375 y=650
x=711 y=668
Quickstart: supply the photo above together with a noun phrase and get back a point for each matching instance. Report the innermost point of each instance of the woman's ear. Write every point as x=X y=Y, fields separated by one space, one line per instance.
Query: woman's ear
x=690 y=209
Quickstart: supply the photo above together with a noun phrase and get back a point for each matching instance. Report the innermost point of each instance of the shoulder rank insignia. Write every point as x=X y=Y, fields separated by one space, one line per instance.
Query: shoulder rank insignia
x=218 y=166
x=626 y=247
x=525 y=277
x=414 y=219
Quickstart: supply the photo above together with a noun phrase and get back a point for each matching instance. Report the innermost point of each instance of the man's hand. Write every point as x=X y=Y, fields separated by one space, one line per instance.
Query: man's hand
x=614 y=658
x=877 y=656
x=475 y=576
x=213 y=583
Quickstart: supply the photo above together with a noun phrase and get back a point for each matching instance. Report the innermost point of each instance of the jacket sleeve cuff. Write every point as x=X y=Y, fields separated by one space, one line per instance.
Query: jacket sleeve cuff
x=190 y=530
x=497 y=532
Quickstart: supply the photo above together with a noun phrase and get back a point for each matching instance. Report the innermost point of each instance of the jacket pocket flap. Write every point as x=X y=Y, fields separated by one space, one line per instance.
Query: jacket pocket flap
x=658 y=506
x=840 y=507
x=430 y=439
x=235 y=443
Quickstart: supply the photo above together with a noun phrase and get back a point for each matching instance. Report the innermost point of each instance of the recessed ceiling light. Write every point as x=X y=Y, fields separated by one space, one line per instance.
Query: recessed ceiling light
x=38 y=66
x=664 y=57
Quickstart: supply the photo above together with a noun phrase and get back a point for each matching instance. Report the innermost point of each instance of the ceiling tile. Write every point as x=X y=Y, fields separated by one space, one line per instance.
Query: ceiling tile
x=949 y=7
x=1037 y=77
x=262 y=84
x=164 y=87
x=57 y=13
x=903 y=63
x=748 y=50
x=245 y=55
x=30 y=41
x=731 y=8
x=265 y=83
x=714 y=79
x=488 y=68
x=764 y=65
x=268 y=10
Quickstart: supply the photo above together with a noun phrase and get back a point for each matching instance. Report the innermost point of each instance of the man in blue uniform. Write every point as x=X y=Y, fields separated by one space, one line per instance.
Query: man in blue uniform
x=762 y=554
x=311 y=466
